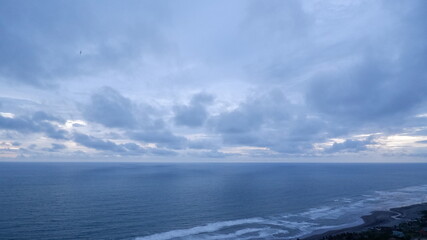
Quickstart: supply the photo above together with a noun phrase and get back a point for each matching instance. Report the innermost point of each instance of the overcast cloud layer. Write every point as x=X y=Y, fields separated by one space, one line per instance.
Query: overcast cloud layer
x=213 y=80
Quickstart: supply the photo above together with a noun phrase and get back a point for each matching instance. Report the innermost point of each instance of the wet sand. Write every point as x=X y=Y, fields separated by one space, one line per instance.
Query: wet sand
x=389 y=218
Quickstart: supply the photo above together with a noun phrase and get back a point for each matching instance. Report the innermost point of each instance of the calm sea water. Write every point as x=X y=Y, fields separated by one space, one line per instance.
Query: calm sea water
x=197 y=201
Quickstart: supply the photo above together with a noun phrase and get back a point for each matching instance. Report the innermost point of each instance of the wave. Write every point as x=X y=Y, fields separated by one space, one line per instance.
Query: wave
x=340 y=213
x=211 y=227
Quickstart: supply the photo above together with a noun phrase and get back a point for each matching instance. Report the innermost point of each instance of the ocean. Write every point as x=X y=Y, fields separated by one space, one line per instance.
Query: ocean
x=161 y=201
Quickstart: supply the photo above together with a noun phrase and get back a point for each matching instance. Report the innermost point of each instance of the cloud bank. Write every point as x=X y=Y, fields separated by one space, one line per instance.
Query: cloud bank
x=240 y=80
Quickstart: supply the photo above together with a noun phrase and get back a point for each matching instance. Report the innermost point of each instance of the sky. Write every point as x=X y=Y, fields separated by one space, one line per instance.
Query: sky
x=293 y=81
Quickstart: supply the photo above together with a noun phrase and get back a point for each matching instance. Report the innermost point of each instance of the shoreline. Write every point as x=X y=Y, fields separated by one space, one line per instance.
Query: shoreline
x=390 y=218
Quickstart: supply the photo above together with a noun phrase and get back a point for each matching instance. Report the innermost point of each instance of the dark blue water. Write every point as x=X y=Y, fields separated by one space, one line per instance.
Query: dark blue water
x=196 y=201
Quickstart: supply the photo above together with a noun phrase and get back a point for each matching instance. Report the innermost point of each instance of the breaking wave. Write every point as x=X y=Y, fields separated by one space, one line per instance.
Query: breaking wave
x=341 y=213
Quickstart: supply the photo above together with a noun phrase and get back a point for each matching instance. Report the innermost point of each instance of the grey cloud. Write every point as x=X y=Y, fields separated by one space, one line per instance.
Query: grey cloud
x=55 y=147
x=194 y=114
x=367 y=92
x=238 y=121
x=111 y=109
x=299 y=135
x=350 y=145
x=202 y=99
x=41 y=116
x=98 y=144
x=10 y=144
x=32 y=146
x=252 y=114
x=22 y=124
x=133 y=147
x=41 y=42
x=53 y=132
x=190 y=116
x=339 y=70
x=213 y=154
x=161 y=152
x=20 y=106
x=270 y=120
x=125 y=149
x=35 y=124
x=109 y=146
x=162 y=138
x=203 y=144
x=385 y=80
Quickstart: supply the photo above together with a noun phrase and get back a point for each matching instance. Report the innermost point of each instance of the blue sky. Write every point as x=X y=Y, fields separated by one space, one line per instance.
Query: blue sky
x=248 y=80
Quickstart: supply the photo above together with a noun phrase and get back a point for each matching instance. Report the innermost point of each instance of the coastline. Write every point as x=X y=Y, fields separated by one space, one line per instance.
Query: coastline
x=389 y=218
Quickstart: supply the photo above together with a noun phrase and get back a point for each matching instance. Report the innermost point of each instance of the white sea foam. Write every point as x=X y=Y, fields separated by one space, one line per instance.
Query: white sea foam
x=211 y=227
x=243 y=234
x=345 y=212
x=379 y=200
x=236 y=234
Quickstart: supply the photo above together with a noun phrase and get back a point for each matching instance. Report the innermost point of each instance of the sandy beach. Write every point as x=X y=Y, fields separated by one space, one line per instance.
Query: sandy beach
x=389 y=218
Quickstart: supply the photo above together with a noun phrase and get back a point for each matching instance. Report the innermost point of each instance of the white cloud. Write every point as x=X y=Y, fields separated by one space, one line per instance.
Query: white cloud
x=7 y=115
